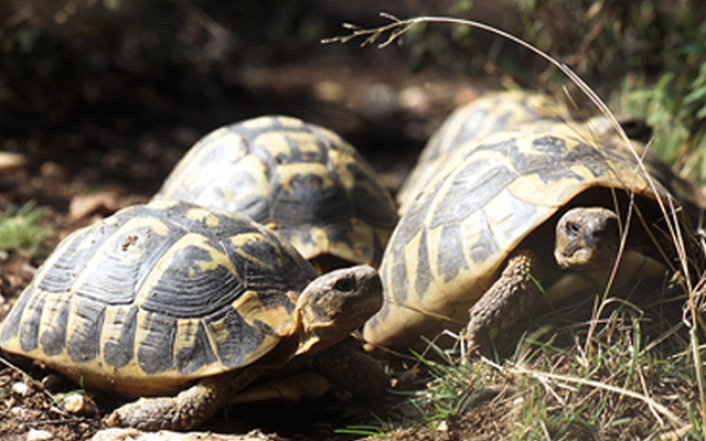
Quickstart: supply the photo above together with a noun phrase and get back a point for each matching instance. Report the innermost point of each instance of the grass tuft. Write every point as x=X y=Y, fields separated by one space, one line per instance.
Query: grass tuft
x=22 y=230
x=550 y=388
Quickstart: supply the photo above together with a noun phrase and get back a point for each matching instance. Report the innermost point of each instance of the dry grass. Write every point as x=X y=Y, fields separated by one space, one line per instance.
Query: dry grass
x=636 y=382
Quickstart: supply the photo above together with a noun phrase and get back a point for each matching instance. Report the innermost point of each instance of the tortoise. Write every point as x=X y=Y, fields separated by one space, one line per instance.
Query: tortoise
x=297 y=178
x=481 y=117
x=522 y=208
x=188 y=307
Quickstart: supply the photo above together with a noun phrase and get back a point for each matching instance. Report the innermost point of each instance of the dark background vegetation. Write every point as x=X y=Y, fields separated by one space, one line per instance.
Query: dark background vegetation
x=120 y=88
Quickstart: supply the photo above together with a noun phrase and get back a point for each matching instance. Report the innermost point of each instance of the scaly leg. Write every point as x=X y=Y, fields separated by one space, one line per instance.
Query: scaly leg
x=511 y=296
x=185 y=410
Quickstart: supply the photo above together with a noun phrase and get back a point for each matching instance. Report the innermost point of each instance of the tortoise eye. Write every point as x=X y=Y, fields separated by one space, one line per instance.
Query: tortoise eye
x=572 y=230
x=345 y=285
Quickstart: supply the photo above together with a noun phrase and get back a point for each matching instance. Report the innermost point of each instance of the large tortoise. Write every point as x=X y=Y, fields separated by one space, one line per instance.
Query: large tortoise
x=523 y=205
x=189 y=306
x=298 y=178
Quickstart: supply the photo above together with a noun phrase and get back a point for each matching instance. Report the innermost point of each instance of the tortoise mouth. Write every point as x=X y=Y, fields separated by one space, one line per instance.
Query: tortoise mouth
x=366 y=307
x=351 y=312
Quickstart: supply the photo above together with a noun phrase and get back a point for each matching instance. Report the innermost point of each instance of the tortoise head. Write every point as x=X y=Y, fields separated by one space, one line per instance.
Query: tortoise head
x=335 y=304
x=587 y=238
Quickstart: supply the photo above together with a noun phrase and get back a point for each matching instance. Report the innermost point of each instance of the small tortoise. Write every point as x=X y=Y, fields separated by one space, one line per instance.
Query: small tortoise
x=521 y=205
x=189 y=306
x=474 y=121
x=297 y=178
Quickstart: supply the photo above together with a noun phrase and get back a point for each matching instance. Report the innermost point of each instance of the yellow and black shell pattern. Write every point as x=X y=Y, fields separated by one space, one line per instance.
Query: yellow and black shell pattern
x=482 y=117
x=449 y=246
x=300 y=179
x=156 y=296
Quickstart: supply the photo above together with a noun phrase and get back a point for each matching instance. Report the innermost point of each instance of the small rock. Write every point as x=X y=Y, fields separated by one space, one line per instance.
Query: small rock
x=10 y=160
x=414 y=99
x=21 y=389
x=98 y=203
x=9 y=402
x=26 y=267
x=80 y=404
x=23 y=413
x=39 y=435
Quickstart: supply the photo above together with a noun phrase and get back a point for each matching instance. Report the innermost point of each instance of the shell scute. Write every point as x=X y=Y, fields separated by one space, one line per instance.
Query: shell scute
x=84 y=329
x=55 y=318
x=155 y=341
x=192 y=348
x=119 y=335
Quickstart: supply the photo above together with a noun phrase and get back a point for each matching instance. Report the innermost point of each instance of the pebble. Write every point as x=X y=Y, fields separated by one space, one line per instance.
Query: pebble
x=414 y=99
x=80 y=404
x=39 y=435
x=22 y=413
x=10 y=160
x=443 y=426
x=21 y=389
x=83 y=206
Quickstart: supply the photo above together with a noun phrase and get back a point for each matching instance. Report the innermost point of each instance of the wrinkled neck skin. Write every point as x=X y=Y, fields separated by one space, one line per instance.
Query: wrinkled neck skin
x=633 y=265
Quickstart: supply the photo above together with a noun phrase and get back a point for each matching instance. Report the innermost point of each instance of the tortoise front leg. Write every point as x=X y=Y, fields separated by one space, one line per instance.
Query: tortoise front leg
x=506 y=300
x=185 y=410
x=352 y=369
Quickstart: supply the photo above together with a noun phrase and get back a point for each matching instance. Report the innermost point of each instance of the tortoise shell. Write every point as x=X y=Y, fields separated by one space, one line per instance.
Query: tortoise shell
x=158 y=295
x=482 y=117
x=507 y=190
x=470 y=124
x=297 y=178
